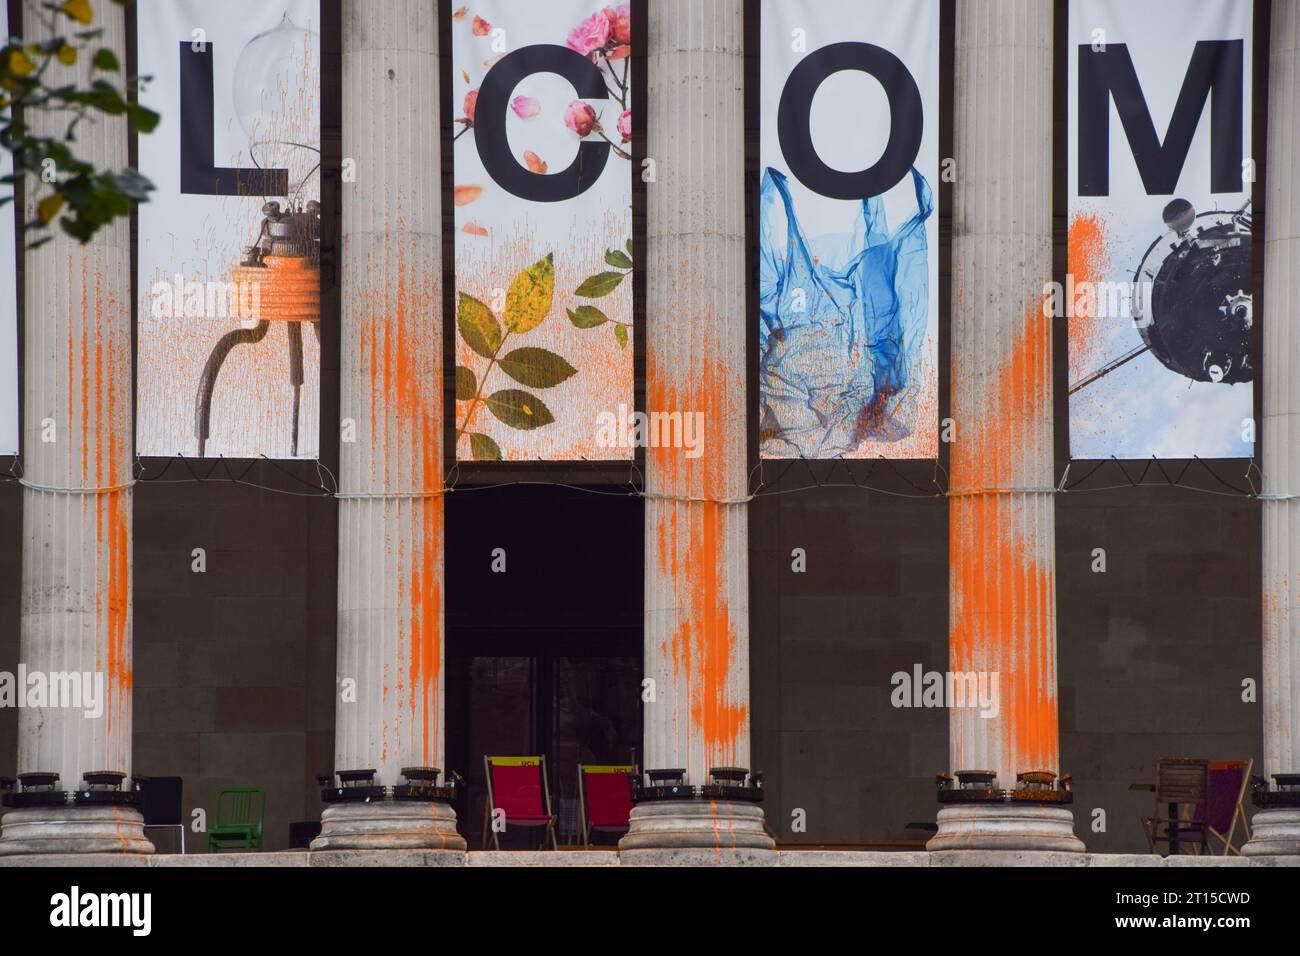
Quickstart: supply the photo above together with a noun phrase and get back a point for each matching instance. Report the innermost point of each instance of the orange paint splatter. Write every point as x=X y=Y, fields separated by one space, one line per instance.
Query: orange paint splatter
x=704 y=645
x=1002 y=592
x=1088 y=259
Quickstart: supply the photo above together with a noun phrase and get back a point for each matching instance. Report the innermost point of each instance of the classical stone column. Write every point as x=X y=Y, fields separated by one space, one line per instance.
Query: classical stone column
x=696 y=563
x=77 y=456
x=1002 y=570
x=389 y=711
x=1276 y=826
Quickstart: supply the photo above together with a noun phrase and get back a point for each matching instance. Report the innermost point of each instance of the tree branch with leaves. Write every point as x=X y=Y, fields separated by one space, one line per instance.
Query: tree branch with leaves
x=84 y=198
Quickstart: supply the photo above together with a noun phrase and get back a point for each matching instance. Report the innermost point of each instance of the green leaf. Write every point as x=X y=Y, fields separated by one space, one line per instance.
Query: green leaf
x=478 y=326
x=529 y=298
x=602 y=283
x=629 y=247
x=483 y=447
x=466 y=384
x=620 y=333
x=519 y=409
x=106 y=59
x=537 y=368
x=617 y=259
x=587 y=316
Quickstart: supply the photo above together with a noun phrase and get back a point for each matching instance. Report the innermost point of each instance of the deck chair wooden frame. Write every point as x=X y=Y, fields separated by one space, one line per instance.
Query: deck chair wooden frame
x=1185 y=782
x=540 y=763
x=1238 y=812
x=587 y=829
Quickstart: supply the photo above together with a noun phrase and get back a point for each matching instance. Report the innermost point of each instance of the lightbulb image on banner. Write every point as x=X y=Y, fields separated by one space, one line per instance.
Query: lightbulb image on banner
x=229 y=265
x=1159 y=296
x=848 y=237
x=542 y=123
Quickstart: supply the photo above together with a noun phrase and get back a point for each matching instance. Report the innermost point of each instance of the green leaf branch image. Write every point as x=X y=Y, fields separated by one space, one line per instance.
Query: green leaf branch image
x=598 y=286
x=528 y=302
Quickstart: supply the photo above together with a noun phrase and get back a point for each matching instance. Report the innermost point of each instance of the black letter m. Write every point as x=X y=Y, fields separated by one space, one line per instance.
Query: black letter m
x=1216 y=72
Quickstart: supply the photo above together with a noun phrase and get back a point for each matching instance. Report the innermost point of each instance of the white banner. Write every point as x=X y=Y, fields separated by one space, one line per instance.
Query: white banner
x=8 y=296
x=848 y=249
x=229 y=275
x=543 y=176
x=1159 y=286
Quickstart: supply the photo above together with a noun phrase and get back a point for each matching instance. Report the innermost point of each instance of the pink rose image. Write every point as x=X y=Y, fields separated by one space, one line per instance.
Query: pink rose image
x=580 y=117
x=620 y=22
x=525 y=107
x=625 y=125
x=471 y=100
x=481 y=27
x=589 y=35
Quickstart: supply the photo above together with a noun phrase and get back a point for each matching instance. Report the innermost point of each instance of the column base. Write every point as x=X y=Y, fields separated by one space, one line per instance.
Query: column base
x=103 y=829
x=1006 y=826
x=1274 y=833
x=697 y=833
x=389 y=825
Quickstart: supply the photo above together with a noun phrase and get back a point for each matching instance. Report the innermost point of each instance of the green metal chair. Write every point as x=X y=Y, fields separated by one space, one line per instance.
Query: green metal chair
x=240 y=812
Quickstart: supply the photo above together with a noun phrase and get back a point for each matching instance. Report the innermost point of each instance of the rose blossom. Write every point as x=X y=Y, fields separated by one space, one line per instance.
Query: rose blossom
x=625 y=125
x=620 y=22
x=580 y=117
x=471 y=100
x=525 y=107
x=589 y=35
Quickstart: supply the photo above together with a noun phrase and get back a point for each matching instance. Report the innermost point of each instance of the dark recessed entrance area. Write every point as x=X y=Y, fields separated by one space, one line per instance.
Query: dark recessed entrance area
x=544 y=652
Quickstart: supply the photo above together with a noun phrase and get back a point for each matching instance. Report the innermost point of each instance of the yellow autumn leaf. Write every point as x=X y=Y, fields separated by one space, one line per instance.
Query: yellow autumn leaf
x=79 y=10
x=67 y=55
x=529 y=298
x=49 y=207
x=20 y=64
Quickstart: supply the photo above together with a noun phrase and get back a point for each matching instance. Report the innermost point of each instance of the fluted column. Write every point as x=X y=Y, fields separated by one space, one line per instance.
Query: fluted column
x=696 y=562
x=77 y=447
x=1277 y=830
x=1002 y=568
x=390 y=626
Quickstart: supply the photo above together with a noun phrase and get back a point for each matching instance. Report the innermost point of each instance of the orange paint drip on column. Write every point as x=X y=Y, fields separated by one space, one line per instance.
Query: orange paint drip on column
x=1002 y=591
x=704 y=643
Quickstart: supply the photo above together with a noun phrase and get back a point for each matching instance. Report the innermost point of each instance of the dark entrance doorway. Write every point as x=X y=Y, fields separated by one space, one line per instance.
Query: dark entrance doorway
x=544 y=618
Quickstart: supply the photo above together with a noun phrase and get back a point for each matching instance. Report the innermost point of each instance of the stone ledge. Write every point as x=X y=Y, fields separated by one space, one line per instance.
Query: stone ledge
x=542 y=858
x=603 y=858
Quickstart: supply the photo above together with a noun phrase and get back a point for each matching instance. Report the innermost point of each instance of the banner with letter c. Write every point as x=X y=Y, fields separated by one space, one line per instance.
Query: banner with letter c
x=543 y=192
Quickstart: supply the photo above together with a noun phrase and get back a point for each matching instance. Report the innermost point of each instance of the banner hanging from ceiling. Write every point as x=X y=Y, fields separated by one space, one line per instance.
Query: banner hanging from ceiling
x=1158 y=289
x=848 y=241
x=229 y=250
x=8 y=293
x=543 y=191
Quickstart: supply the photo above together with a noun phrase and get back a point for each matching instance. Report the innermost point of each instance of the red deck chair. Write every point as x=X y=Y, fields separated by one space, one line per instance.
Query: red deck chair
x=517 y=786
x=605 y=798
x=1225 y=790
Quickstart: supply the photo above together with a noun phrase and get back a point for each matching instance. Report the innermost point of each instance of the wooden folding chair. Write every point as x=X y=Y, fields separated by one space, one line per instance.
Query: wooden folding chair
x=517 y=786
x=1181 y=787
x=604 y=799
x=1226 y=789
